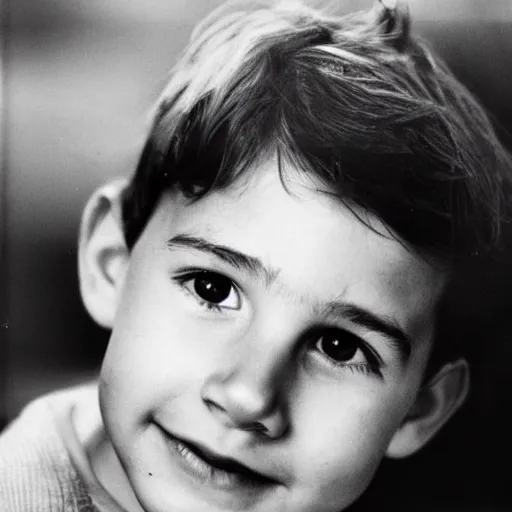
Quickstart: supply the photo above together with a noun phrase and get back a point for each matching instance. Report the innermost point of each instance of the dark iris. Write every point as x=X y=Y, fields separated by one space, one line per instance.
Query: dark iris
x=339 y=346
x=212 y=287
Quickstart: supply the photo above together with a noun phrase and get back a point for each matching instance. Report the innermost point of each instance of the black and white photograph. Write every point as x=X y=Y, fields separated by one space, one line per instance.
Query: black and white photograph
x=341 y=170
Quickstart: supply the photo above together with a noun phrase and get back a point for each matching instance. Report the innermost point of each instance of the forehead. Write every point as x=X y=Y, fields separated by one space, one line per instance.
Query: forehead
x=317 y=248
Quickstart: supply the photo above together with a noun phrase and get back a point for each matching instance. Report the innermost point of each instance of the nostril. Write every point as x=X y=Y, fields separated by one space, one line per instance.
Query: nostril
x=212 y=405
x=255 y=427
x=236 y=419
x=240 y=400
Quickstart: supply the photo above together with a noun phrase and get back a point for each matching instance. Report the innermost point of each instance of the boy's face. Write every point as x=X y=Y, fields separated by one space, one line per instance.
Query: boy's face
x=268 y=329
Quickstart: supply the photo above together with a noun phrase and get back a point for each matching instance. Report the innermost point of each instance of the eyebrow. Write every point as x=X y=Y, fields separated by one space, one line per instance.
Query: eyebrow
x=254 y=266
x=236 y=259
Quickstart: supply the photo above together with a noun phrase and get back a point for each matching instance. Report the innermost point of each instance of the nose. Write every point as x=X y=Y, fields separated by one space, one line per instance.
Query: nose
x=249 y=392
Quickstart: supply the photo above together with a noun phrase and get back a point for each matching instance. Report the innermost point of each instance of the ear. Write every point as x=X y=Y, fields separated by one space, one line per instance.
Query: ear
x=435 y=404
x=102 y=253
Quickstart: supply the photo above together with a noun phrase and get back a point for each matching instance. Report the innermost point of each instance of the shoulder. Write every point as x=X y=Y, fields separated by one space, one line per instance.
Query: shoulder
x=36 y=472
x=37 y=426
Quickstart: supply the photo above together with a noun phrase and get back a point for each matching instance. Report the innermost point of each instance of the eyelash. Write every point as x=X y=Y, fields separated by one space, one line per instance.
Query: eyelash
x=194 y=273
x=372 y=366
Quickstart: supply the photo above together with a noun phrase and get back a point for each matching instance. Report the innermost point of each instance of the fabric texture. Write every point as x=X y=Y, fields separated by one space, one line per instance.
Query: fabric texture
x=43 y=465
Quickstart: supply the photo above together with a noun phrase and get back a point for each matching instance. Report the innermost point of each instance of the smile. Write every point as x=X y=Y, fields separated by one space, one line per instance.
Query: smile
x=222 y=472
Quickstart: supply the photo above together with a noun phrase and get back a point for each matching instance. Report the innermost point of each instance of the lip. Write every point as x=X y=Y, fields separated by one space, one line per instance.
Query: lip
x=213 y=468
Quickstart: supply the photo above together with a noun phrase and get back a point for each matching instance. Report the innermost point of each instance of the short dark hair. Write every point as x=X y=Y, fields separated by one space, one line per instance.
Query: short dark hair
x=354 y=101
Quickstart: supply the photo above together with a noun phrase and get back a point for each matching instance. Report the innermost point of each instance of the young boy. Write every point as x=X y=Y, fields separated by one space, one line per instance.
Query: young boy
x=278 y=275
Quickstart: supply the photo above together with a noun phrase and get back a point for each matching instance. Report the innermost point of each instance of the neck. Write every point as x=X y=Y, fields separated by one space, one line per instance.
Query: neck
x=109 y=471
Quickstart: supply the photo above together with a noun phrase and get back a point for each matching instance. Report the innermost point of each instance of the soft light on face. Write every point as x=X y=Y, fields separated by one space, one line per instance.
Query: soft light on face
x=268 y=329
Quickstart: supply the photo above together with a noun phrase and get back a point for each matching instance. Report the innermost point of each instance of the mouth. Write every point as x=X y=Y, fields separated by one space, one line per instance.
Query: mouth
x=223 y=472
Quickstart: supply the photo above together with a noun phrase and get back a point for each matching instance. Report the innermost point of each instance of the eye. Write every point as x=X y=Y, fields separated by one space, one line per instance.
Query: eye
x=346 y=350
x=338 y=345
x=212 y=290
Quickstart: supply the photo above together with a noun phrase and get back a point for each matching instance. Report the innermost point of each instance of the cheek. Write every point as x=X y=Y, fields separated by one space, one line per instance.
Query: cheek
x=341 y=437
x=159 y=348
x=152 y=348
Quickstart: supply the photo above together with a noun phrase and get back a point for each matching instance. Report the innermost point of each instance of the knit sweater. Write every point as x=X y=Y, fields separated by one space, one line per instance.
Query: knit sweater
x=43 y=465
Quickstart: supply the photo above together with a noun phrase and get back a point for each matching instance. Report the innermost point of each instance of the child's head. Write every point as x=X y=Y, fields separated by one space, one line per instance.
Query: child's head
x=276 y=280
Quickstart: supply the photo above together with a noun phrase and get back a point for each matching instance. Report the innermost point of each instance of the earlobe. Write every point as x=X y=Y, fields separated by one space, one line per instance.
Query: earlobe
x=102 y=253
x=435 y=404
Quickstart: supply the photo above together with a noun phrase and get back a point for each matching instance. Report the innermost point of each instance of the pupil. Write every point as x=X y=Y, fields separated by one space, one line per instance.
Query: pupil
x=212 y=288
x=339 y=348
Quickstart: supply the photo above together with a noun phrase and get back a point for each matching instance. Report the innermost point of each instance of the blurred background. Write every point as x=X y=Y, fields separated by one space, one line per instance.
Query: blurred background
x=78 y=78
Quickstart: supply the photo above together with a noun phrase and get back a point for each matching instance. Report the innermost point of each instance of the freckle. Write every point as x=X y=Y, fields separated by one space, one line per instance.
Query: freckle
x=150 y=474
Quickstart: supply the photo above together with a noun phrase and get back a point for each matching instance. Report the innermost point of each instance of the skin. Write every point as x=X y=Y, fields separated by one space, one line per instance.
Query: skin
x=213 y=376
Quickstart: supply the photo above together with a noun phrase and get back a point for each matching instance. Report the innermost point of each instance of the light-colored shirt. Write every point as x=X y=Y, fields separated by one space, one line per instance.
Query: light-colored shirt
x=43 y=464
